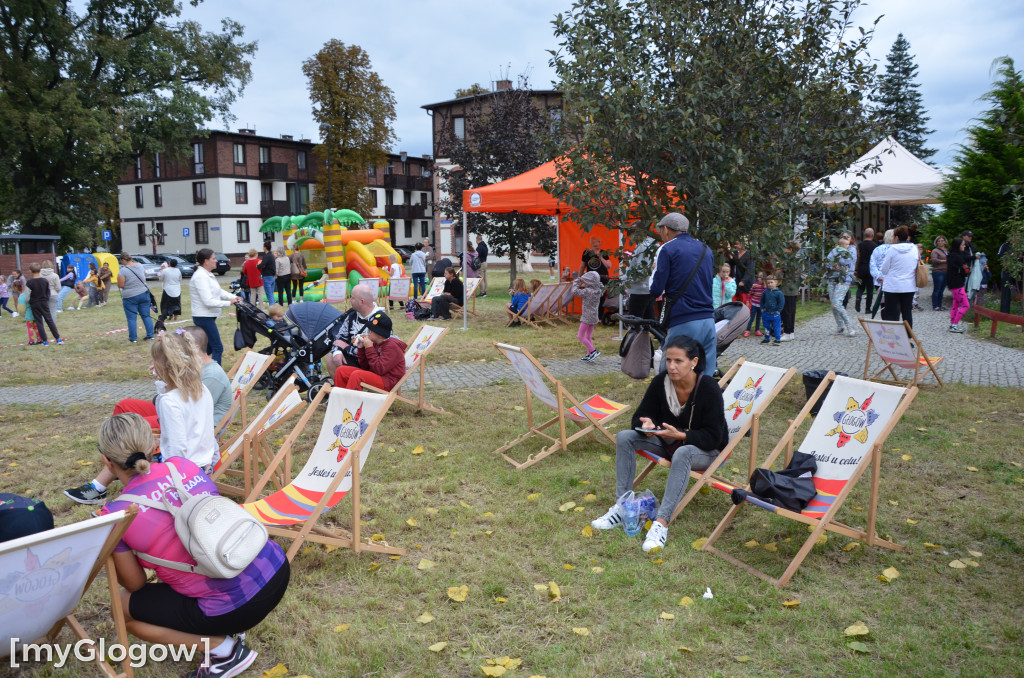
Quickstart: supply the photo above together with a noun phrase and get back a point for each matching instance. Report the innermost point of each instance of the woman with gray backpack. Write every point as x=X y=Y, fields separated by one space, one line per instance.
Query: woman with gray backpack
x=195 y=603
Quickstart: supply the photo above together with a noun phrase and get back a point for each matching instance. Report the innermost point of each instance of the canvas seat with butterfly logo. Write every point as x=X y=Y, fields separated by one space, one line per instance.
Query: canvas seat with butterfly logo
x=896 y=345
x=330 y=474
x=591 y=415
x=748 y=389
x=845 y=439
x=416 y=352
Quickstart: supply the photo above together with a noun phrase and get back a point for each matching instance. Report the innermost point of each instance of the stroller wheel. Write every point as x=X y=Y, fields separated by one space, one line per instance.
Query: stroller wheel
x=314 y=390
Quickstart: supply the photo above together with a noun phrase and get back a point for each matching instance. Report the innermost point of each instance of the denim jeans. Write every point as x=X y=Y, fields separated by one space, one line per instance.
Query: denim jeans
x=268 y=288
x=419 y=284
x=772 y=326
x=64 y=292
x=214 y=346
x=939 y=283
x=137 y=305
x=703 y=332
x=685 y=459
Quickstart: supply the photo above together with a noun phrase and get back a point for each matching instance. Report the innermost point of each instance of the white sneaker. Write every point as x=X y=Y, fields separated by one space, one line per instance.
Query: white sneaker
x=787 y=337
x=656 y=537
x=14 y=315
x=850 y=332
x=609 y=520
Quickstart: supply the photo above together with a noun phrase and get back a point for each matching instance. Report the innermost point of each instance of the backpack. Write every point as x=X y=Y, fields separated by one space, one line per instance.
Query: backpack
x=636 y=354
x=474 y=263
x=220 y=535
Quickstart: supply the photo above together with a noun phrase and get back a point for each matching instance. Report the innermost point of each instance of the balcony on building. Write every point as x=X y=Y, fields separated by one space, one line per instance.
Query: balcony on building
x=274 y=171
x=273 y=208
x=404 y=211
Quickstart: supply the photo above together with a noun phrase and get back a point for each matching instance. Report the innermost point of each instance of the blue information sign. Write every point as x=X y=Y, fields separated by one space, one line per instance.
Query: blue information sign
x=107 y=235
x=185 y=231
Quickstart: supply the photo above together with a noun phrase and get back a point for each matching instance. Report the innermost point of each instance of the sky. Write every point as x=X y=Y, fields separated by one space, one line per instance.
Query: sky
x=426 y=49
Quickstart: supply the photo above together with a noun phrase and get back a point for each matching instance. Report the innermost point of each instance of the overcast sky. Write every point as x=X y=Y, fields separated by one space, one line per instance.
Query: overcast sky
x=425 y=49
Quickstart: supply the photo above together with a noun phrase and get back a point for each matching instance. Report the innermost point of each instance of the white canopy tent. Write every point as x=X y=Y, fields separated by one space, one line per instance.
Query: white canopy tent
x=887 y=173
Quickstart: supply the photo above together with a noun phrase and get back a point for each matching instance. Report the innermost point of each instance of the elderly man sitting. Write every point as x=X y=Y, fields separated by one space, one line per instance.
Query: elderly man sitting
x=364 y=305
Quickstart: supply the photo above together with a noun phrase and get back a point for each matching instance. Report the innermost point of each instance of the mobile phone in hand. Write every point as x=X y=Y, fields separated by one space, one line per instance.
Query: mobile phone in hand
x=655 y=431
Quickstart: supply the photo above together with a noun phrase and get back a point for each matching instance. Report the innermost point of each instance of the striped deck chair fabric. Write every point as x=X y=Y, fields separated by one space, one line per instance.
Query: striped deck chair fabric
x=349 y=426
x=845 y=438
x=897 y=346
x=245 y=373
x=589 y=414
x=533 y=312
x=748 y=389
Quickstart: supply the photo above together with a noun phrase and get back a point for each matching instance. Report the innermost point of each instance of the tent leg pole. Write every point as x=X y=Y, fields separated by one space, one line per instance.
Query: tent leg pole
x=465 y=263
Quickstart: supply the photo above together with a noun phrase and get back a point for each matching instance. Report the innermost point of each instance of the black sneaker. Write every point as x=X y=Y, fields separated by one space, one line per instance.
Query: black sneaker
x=593 y=355
x=241 y=658
x=86 y=494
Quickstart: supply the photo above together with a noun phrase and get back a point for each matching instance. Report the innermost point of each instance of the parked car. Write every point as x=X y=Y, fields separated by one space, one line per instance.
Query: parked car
x=146 y=262
x=404 y=251
x=223 y=263
x=184 y=266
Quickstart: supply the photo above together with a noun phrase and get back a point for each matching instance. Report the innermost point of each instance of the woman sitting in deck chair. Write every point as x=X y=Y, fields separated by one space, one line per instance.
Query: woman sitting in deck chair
x=685 y=414
x=185 y=607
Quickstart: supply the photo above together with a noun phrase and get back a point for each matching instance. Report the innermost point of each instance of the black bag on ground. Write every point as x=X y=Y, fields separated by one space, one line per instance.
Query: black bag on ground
x=421 y=313
x=636 y=352
x=791 y=488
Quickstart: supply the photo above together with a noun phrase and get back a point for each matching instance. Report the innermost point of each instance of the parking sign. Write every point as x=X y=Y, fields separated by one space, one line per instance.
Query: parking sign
x=184 y=231
x=107 y=235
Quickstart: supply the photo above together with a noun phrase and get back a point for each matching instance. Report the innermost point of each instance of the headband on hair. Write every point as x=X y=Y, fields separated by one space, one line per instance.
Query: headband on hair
x=180 y=331
x=134 y=457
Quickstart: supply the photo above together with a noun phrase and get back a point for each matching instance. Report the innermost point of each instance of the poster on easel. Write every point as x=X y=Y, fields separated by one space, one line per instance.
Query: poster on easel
x=373 y=284
x=336 y=291
x=399 y=288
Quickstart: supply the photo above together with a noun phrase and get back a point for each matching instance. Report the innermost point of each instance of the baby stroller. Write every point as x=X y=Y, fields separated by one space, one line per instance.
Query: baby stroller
x=299 y=343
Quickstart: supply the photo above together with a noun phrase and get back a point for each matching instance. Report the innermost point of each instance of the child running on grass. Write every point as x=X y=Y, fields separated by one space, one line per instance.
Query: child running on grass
x=30 y=321
x=589 y=289
x=756 y=290
x=519 y=299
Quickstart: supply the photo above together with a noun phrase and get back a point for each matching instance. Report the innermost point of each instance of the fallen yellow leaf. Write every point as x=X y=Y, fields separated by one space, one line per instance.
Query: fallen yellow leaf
x=751 y=544
x=907 y=457
x=487 y=514
x=431 y=510
x=976 y=554
x=852 y=545
x=770 y=546
x=437 y=647
x=394 y=557
x=894 y=502
x=278 y=671
x=587 y=531
x=857 y=629
x=683 y=648
x=581 y=631
x=463 y=504
x=391 y=449
x=425 y=618
x=533 y=497
x=441 y=455
x=425 y=564
x=912 y=522
x=656 y=561
x=458 y=593
x=554 y=592
x=743 y=659
x=541 y=587
x=972 y=469
x=687 y=601
x=790 y=603
x=932 y=546
x=822 y=540
x=888 y=575
x=341 y=627
x=666 y=616
x=578 y=509
x=567 y=566
x=373 y=566
x=973 y=430
x=412 y=522
x=972 y=563
x=499 y=599
x=518 y=408
x=606 y=458
x=493 y=670
x=597 y=570
x=566 y=506
x=590 y=497
x=698 y=544
x=377 y=537
x=418 y=449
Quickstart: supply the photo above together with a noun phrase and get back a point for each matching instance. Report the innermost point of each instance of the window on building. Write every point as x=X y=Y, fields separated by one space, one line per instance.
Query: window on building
x=163 y=234
x=158 y=195
x=459 y=127
x=266 y=191
x=142 y=234
x=242 y=230
x=138 y=165
x=138 y=196
x=390 y=169
x=389 y=199
x=371 y=171
x=198 y=192
x=156 y=165
x=202 y=233
x=373 y=198
x=241 y=193
x=239 y=154
x=423 y=199
x=301 y=160
x=264 y=153
x=406 y=197
x=198 y=162
x=424 y=228
x=408 y=229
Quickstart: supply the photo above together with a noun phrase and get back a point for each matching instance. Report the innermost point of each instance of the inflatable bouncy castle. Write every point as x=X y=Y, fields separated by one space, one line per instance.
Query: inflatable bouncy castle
x=332 y=243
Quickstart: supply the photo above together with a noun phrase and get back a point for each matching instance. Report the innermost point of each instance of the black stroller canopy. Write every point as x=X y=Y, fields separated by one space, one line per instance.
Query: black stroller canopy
x=312 y=317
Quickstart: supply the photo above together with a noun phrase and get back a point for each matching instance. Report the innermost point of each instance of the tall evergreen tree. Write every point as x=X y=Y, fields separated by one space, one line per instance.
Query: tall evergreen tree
x=989 y=168
x=900 y=113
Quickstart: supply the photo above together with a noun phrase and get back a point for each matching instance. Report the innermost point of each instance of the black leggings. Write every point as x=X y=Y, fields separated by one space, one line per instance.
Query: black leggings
x=789 y=315
x=284 y=288
x=896 y=304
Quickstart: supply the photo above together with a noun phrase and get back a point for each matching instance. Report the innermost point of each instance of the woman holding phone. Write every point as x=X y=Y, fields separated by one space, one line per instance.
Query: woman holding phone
x=681 y=418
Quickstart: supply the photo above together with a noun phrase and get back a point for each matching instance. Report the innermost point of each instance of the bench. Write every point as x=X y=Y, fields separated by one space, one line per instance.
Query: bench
x=996 y=317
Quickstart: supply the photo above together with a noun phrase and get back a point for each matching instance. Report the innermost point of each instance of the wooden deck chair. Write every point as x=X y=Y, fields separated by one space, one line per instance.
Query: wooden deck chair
x=564 y=303
x=435 y=288
x=557 y=307
x=845 y=438
x=244 y=374
x=749 y=388
x=294 y=511
x=470 y=290
x=535 y=305
x=47 y=574
x=896 y=344
x=427 y=337
x=250 y=444
x=590 y=414
x=547 y=310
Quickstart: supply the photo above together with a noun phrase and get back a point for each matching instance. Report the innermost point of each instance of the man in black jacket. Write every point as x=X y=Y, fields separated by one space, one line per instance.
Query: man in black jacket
x=481 y=256
x=268 y=270
x=864 y=249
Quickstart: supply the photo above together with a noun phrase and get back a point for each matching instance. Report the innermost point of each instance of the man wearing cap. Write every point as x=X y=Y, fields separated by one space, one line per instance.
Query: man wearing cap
x=969 y=252
x=686 y=264
x=343 y=350
x=381 y=357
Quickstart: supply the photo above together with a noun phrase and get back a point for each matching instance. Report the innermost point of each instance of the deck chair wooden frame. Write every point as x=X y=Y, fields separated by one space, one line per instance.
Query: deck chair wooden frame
x=426 y=338
x=250 y=444
x=435 y=288
x=579 y=412
x=735 y=395
x=472 y=285
x=532 y=312
x=566 y=299
x=103 y=559
x=345 y=481
x=243 y=375
x=895 y=400
x=896 y=345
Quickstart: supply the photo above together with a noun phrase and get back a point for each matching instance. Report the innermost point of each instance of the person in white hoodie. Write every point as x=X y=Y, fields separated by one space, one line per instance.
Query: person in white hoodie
x=208 y=298
x=899 y=278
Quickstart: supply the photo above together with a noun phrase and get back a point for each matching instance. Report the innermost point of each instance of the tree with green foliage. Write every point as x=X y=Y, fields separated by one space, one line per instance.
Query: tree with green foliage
x=356 y=111
x=988 y=170
x=724 y=109
x=506 y=134
x=86 y=86
x=472 y=90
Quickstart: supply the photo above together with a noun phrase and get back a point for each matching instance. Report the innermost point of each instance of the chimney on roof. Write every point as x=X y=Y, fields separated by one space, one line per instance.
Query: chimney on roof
x=427 y=157
x=305 y=141
x=247 y=130
x=287 y=137
x=502 y=85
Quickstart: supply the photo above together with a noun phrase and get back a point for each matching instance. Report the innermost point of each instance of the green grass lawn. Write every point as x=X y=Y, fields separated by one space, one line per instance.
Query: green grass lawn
x=501 y=533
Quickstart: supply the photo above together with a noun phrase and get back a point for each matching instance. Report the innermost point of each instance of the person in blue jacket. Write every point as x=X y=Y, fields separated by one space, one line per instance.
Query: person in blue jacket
x=692 y=314
x=772 y=303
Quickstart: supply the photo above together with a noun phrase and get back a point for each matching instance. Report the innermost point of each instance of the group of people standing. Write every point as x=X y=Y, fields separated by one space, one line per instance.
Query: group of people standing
x=271 y=271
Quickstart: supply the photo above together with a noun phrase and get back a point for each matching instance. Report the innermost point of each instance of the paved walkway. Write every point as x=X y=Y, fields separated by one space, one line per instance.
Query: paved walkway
x=968 y=360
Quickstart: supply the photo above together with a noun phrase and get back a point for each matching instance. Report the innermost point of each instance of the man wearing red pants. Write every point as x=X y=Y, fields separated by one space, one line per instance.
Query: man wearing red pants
x=381 y=357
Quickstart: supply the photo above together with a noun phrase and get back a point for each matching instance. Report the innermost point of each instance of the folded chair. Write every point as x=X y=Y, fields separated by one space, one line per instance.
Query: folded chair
x=416 y=353
x=295 y=511
x=244 y=374
x=846 y=437
x=590 y=415
x=45 y=576
x=531 y=313
x=897 y=345
x=250 y=443
x=748 y=388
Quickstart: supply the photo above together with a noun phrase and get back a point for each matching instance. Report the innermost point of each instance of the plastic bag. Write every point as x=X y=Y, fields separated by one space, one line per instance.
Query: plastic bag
x=659 y=355
x=636 y=509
